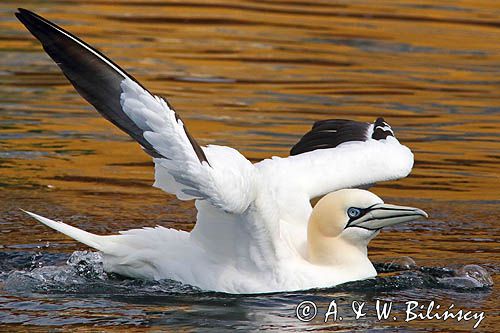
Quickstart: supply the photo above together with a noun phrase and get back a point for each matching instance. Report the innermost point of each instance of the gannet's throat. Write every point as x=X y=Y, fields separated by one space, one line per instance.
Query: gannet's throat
x=336 y=251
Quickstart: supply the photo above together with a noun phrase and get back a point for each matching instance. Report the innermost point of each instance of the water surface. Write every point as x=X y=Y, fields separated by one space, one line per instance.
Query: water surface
x=253 y=75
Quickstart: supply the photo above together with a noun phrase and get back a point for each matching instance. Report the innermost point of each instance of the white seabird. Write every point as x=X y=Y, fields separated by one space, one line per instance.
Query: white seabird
x=256 y=230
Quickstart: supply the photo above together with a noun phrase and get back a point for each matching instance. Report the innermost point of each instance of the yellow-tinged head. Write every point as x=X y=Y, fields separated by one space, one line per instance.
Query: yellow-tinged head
x=343 y=222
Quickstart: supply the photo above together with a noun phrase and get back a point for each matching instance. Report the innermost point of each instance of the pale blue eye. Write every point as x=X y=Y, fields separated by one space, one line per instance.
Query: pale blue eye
x=353 y=212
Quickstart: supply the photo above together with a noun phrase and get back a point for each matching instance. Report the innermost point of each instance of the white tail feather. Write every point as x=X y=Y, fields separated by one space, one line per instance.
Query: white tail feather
x=87 y=238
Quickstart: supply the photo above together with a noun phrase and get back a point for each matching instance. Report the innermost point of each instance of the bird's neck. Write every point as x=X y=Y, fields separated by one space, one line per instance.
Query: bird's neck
x=335 y=251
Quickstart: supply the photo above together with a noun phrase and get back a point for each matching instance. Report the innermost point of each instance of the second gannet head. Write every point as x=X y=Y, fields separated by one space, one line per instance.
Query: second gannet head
x=343 y=222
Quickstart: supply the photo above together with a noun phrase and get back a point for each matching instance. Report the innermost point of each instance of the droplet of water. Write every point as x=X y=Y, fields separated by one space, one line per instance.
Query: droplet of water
x=87 y=264
x=404 y=263
x=467 y=277
x=397 y=264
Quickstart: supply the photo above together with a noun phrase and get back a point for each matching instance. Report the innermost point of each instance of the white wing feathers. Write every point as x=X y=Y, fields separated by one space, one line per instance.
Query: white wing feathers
x=349 y=165
x=226 y=181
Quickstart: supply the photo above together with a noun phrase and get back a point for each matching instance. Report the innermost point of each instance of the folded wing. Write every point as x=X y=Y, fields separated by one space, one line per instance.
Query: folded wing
x=333 y=155
x=338 y=154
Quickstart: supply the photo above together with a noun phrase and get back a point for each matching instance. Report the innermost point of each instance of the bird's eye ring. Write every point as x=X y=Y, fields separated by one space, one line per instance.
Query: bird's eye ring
x=353 y=212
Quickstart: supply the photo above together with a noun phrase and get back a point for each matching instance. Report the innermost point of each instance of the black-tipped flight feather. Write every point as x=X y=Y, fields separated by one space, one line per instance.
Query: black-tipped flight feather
x=94 y=76
x=332 y=132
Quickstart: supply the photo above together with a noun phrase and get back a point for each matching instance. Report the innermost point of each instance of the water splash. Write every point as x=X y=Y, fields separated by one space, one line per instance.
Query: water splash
x=468 y=277
x=84 y=273
x=87 y=264
x=37 y=256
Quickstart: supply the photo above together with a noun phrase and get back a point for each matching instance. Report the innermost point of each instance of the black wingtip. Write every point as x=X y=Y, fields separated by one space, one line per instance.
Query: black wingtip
x=40 y=27
x=381 y=129
x=23 y=11
x=24 y=15
x=20 y=11
x=332 y=132
x=27 y=12
x=329 y=134
x=95 y=77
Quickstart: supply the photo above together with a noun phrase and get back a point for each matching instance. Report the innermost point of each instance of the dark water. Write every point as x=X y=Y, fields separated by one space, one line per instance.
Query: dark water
x=48 y=291
x=253 y=75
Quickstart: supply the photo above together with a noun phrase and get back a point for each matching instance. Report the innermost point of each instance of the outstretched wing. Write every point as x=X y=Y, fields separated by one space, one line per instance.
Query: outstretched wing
x=220 y=175
x=333 y=155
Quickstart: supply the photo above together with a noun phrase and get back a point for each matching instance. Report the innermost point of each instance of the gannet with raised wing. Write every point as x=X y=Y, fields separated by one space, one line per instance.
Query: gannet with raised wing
x=256 y=230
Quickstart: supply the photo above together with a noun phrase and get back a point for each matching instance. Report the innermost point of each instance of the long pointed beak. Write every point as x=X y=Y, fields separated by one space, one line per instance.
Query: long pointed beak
x=383 y=215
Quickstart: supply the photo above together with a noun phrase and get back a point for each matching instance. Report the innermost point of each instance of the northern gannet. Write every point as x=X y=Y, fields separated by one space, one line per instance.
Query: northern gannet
x=256 y=230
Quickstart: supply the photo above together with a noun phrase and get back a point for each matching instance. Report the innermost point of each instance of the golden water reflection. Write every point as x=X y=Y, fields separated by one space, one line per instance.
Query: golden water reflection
x=255 y=75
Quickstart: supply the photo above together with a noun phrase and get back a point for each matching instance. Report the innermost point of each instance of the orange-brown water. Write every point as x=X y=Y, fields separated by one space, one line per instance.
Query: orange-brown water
x=254 y=75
